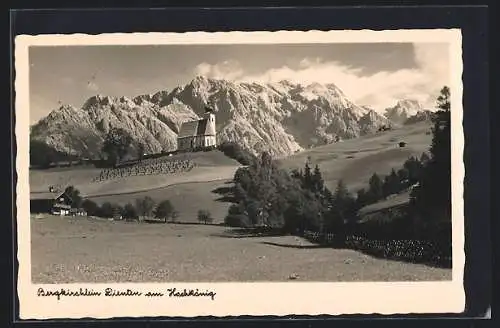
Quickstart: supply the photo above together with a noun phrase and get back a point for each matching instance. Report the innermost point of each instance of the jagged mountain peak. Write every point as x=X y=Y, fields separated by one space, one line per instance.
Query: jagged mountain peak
x=98 y=100
x=64 y=109
x=402 y=110
x=409 y=103
x=201 y=81
x=281 y=117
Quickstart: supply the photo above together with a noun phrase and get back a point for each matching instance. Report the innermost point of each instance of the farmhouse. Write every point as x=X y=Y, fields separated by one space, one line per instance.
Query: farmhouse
x=197 y=134
x=50 y=202
x=54 y=203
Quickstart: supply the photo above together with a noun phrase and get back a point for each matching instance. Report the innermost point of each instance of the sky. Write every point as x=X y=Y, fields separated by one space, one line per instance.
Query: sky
x=370 y=74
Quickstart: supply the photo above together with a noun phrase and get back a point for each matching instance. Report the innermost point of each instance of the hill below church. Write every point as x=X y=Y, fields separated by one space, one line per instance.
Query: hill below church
x=281 y=118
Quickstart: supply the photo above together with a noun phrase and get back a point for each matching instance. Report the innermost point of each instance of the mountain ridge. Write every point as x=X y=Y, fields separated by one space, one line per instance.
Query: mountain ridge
x=281 y=117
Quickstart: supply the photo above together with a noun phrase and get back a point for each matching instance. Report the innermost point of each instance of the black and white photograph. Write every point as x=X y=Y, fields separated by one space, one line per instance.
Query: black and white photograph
x=271 y=161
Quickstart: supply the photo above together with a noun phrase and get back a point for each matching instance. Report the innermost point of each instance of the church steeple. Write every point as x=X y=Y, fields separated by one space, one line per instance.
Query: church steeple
x=210 y=116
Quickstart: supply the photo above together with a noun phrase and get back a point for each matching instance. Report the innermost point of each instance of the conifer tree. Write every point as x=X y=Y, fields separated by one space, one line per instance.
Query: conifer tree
x=361 y=198
x=424 y=158
x=394 y=183
x=403 y=176
x=307 y=177
x=375 y=191
x=317 y=181
x=434 y=193
x=386 y=187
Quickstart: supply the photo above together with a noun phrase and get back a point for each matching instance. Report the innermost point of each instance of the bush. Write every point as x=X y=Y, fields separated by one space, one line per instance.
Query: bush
x=129 y=212
x=90 y=207
x=420 y=251
x=237 y=221
x=236 y=152
x=74 y=194
x=209 y=148
x=106 y=210
x=204 y=216
x=164 y=210
x=43 y=156
x=145 y=207
x=387 y=225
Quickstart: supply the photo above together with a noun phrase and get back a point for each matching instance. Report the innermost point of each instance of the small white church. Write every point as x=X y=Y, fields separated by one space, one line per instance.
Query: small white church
x=199 y=133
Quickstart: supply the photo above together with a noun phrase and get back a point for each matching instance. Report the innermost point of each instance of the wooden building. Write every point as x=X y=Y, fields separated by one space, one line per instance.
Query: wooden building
x=50 y=202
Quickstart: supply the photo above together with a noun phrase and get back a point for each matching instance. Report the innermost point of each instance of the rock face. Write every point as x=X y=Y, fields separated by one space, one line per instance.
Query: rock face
x=408 y=111
x=281 y=118
x=420 y=116
x=403 y=110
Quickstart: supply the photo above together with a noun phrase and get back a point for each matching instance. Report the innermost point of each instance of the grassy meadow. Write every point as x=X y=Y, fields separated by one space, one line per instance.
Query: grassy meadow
x=210 y=166
x=187 y=198
x=355 y=160
x=76 y=250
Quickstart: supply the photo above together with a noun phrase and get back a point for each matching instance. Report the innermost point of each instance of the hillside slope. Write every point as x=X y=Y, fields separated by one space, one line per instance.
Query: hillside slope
x=356 y=160
x=209 y=166
x=187 y=198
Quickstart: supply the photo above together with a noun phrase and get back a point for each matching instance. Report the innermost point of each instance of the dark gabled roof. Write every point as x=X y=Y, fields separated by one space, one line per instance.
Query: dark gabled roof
x=48 y=196
x=45 y=195
x=194 y=128
x=188 y=129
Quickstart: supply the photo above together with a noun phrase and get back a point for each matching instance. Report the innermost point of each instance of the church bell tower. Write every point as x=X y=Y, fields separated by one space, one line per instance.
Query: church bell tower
x=210 y=116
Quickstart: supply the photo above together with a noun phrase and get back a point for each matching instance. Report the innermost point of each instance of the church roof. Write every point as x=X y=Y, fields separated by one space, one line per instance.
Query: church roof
x=188 y=129
x=194 y=128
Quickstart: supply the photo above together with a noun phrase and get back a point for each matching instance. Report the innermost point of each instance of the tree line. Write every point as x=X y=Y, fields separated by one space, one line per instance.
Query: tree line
x=142 y=209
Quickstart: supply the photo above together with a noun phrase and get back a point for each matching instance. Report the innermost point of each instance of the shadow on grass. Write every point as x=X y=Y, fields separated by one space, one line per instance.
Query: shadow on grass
x=249 y=233
x=315 y=246
x=438 y=263
x=181 y=223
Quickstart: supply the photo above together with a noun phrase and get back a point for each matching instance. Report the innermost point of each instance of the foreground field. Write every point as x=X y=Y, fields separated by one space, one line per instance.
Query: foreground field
x=65 y=250
x=356 y=160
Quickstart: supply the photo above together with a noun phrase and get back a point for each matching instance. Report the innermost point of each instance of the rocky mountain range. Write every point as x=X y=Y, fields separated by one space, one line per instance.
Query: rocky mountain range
x=405 y=110
x=281 y=118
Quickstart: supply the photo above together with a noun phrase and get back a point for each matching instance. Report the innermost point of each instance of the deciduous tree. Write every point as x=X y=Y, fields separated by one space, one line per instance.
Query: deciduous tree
x=116 y=145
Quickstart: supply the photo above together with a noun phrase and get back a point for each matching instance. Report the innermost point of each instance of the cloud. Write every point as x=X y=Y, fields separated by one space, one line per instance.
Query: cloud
x=229 y=70
x=380 y=90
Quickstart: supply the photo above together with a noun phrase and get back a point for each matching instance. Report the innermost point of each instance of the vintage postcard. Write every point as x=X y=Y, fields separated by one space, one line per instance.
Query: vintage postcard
x=239 y=173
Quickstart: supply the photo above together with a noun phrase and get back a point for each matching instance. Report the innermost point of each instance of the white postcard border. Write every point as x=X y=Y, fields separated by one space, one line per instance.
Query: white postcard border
x=233 y=299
